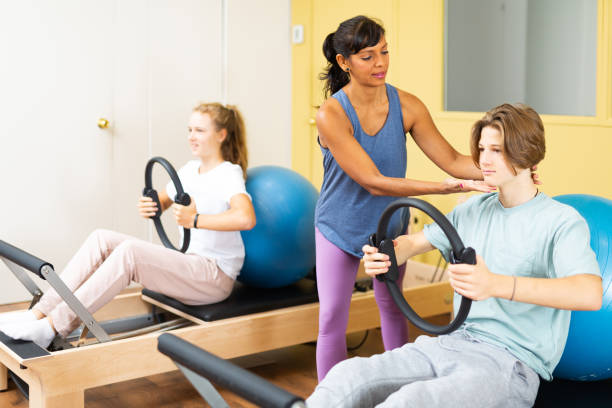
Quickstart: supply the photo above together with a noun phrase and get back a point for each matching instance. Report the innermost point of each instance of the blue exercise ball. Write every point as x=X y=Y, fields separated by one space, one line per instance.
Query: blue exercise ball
x=280 y=250
x=588 y=352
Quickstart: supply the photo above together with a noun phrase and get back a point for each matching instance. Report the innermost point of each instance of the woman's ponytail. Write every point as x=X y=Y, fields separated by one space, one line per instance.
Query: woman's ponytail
x=335 y=78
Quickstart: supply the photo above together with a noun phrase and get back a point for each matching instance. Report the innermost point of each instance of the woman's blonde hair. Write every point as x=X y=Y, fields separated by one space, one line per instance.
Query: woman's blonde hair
x=228 y=117
x=522 y=131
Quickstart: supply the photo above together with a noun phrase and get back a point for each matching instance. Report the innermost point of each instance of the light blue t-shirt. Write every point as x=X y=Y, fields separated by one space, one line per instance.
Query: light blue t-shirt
x=541 y=238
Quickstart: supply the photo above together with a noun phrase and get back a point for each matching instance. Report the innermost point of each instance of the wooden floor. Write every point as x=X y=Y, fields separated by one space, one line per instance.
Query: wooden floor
x=292 y=368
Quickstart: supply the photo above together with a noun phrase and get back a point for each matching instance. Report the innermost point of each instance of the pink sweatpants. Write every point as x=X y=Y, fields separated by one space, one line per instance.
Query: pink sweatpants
x=108 y=261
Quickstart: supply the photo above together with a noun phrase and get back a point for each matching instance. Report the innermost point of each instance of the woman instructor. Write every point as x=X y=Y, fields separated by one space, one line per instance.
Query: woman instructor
x=362 y=133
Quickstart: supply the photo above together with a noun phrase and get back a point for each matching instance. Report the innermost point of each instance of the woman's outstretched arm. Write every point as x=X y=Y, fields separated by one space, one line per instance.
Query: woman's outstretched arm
x=335 y=133
x=420 y=125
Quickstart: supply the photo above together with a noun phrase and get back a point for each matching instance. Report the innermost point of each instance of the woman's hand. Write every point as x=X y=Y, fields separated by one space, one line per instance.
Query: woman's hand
x=147 y=208
x=184 y=215
x=476 y=282
x=375 y=262
x=534 y=176
x=457 y=186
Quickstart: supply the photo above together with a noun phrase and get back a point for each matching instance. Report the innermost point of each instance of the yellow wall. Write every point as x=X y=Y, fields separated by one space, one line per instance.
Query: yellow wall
x=579 y=149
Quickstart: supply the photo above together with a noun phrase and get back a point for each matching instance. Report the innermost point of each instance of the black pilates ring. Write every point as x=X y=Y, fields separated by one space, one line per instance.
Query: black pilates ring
x=459 y=254
x=181 y=197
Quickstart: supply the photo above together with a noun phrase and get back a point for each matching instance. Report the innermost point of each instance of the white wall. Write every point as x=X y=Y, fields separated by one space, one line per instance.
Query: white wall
x=259 y=76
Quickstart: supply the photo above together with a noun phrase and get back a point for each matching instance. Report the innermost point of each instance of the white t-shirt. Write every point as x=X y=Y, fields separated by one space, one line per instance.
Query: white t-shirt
x=212 y=192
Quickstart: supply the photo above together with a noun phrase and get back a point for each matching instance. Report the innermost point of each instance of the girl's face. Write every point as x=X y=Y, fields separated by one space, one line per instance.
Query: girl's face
x=496 y=170
x=204 y=140
x=369 y=66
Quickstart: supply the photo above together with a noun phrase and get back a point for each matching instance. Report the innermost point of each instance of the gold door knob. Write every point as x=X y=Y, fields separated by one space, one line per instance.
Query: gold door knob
x=312 y=121
x=103 y=123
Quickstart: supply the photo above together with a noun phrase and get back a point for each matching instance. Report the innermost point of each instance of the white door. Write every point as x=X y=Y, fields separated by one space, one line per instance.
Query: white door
x=56 y=82
x=65 y=64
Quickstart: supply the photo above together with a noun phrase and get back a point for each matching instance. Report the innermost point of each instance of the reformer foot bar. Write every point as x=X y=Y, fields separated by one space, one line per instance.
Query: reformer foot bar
x=200 y=367
x=20 y=262
x=59 y=378
x=14 y=258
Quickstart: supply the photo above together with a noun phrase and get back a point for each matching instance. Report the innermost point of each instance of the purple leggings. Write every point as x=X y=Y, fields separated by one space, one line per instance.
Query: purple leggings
x=336 y=272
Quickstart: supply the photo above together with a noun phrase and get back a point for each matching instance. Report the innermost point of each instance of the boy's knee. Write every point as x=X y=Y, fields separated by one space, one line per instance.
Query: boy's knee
x=346 y=384
x=351 y=367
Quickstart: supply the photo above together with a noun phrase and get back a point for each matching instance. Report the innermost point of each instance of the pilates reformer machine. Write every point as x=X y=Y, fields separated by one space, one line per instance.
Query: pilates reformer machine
x=119 y=342
x=250 y=321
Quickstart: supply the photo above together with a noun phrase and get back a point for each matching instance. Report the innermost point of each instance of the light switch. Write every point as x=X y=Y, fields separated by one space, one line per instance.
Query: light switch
x=298 y=34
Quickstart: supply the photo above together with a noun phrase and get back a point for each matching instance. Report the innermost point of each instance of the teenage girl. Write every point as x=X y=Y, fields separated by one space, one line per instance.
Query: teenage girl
x=108 y=261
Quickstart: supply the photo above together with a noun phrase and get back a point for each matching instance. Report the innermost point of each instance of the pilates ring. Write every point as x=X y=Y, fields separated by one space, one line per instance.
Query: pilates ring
x=459 y=254
x=181 y=197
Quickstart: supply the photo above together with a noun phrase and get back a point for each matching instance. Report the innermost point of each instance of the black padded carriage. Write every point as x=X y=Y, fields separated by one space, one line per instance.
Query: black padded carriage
x=245 y=300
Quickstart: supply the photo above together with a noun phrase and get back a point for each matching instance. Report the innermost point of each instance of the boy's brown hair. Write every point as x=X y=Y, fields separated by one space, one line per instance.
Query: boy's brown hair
x=522 y=131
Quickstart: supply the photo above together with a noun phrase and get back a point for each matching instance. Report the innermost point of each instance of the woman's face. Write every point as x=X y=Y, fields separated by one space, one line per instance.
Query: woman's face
x=369 y=65
x=204 y=140
x=496 y=170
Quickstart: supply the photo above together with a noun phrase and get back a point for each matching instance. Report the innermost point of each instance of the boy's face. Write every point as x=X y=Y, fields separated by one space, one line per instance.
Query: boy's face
x=496 y=170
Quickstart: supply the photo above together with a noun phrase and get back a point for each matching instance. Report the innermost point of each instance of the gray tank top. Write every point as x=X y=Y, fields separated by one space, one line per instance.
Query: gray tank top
x=346 y=213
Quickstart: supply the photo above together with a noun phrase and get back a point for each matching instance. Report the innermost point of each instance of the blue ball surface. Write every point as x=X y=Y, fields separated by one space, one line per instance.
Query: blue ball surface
x=588 y=352
x=280 y=250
